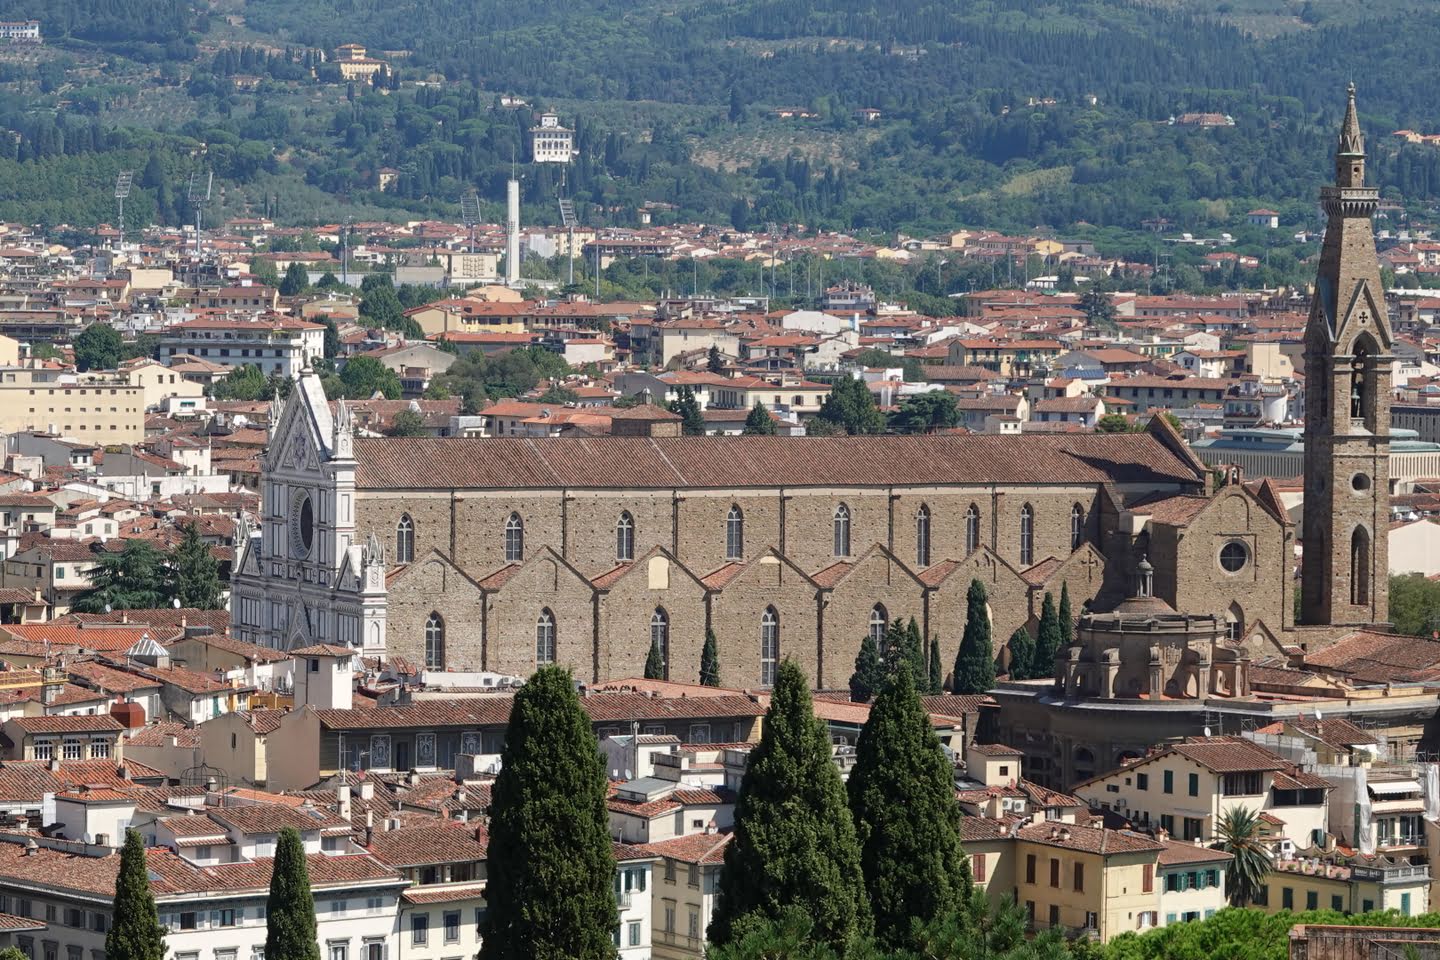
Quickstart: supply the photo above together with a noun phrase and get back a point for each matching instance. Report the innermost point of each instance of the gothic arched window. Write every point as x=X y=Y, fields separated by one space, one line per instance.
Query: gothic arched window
x=1077 y=526
x=1360 y=566
x=1027 y=535
x=545 y=638
x=735 y=533
x=514 y=539
x=625 y=537
x=879 y=621
x=435 y=642
x=922 y=536
x=972 y=529
x=660 y=638
x=769 y=646
x=842 y=531
x=405 y=540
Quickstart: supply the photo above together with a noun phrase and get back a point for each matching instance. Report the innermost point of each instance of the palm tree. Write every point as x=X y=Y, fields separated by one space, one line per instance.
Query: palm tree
x=1239 y=835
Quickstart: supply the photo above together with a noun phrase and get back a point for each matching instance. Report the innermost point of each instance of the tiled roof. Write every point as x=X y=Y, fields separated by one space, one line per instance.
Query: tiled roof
x=266 y=818
x=444 y=893
x=158 y=734
x=1175 y=852
x=84 y=723
x=323 y=650
x=101 y=638
x=110 y=679
x=995 y=750
x=192 y=826
x=1336 y=732
x=953 y=705
x=1088 y=839
x=442 y=842
x=494 y=710
x=1229 y=755
x=1379 y=657
x=27 y=782
x=728 y=462
x=698 y=848
x=1297 y=779
x=1173 y=511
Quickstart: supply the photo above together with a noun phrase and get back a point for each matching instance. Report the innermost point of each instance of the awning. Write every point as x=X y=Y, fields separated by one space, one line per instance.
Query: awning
x=1389 y=788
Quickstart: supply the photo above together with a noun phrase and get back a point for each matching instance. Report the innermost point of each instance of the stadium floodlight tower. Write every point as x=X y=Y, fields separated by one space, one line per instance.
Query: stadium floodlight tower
x=569 y=221
x=470 y=214
x=123 y=181
x=198 y=194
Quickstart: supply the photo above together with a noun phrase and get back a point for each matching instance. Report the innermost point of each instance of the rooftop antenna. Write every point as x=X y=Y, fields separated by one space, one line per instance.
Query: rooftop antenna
x=345 y=251
x=123 y=181
x=470 y=214
x=198 y=194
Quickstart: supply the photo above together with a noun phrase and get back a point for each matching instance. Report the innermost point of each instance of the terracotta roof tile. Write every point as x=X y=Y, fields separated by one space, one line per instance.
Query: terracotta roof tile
x=441 y=842
x=1176 y=852
x=84 y=723
x=725 y=462
x=1227 y=755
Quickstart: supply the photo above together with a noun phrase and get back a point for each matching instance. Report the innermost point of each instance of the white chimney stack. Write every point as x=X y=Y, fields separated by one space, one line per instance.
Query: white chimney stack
x=512 y=233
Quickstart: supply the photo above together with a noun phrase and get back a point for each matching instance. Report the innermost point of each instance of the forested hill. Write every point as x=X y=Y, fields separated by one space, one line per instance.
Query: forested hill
x=1004 y=113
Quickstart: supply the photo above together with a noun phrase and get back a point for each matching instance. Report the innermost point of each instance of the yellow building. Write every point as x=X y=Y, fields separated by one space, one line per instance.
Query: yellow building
x=158 y=382
x=99 y=411
x=354 y=64
x=1347 y=885
x=470 y=315
x=687 y=881
x=9 y=351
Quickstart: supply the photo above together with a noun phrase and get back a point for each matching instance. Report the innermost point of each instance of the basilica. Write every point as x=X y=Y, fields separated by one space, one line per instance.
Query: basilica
x=501 y=554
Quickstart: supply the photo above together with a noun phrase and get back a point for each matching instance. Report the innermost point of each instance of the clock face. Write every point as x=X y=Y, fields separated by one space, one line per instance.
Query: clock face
x=302 y=525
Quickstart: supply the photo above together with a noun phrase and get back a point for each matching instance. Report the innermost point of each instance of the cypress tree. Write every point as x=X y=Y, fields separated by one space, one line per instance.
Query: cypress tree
x=975 y=663
x=1047 y=644
x=1022 y=654
x=794 y=844
x=135 y=932
x=915 y=651
x=290 y=910
x=654 y=664
x=688 y=408
x=902 y=794
x=1067 y=619
x=758 y=422
x=710 y=661
x=551 y=888
x=936 y=683
x=869 y=671
x=196 y=572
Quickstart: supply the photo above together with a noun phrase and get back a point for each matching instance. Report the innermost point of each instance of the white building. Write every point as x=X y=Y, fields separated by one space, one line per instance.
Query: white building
x=550 y=142
x=277 y=345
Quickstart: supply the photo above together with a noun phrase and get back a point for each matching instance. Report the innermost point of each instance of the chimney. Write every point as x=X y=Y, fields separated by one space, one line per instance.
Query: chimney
x=342 y=800
x=367 y=790
x=480 y=834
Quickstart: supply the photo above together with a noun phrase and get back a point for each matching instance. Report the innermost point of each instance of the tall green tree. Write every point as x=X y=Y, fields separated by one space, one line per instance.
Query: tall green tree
x=245 y=382
x=710 y=661
x=794 y=843
x=296 y=280
x=869 y=671
x=290 y=909
x=98 y=347
x=759 y=422
x=134 y=578
x=1066 y=618
x=195 y=572
x=851 y=409
x=1047 y=644
x=655 y=663
x=937 y=684
x=551 y=888
x=714 y=362
x=1022 y=654
x=902 y=795
x=1238 y=833
x=926 y=413
x=135 y=932
x=975 y=661
x=363 y=377
x=688 y=409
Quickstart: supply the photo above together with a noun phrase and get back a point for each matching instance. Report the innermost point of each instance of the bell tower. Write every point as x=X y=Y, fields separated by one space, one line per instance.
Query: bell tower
x=1345 y=568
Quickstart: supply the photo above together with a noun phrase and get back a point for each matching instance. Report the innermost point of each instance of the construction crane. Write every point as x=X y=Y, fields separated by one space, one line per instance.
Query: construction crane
x=198 y=194
x=123 y=181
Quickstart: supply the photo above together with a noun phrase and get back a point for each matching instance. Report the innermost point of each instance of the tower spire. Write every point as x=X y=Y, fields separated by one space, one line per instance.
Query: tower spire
x=1347 y=406
x=1350 y=153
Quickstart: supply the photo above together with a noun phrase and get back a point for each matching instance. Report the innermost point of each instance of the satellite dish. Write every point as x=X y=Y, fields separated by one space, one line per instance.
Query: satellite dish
x=1207 y=731
x=628 y=775
x=1318 y=716
x=175 y=603
x=107 y=608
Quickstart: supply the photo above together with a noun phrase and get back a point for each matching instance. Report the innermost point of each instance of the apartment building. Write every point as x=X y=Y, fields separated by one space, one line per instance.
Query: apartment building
x=277 y=345
x=98 y=410
x=1185 y=788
